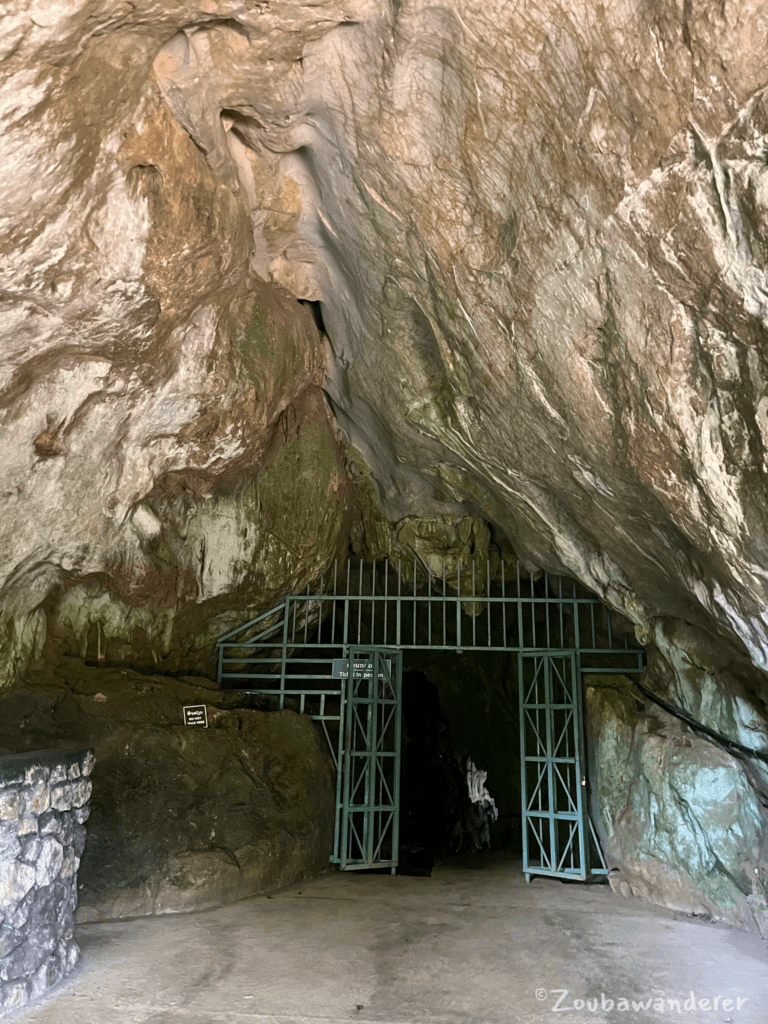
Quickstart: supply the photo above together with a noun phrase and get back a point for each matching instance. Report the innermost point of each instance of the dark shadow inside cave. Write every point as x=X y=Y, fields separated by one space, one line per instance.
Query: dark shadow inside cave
x=437 y=816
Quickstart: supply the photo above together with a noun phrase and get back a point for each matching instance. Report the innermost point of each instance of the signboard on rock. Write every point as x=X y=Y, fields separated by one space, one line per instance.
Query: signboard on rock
x=196 y=714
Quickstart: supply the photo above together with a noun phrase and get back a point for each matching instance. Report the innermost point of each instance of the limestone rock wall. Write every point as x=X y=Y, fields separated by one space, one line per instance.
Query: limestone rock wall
x=680 y=819
x=538 y=263
x=182 y=818
x=534 y=233
x=160 y=405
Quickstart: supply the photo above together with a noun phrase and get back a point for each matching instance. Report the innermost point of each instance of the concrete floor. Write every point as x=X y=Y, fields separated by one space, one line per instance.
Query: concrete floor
x=473 y=944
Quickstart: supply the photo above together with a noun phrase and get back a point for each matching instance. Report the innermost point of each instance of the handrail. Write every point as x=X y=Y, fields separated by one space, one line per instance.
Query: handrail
x=253 y=622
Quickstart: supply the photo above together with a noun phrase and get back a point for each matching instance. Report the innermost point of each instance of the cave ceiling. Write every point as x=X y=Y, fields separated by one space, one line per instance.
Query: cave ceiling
x=536 y=237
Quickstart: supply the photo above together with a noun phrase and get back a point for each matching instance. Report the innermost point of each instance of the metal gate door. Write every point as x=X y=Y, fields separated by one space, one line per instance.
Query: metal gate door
x=552 y=758
x=371 y=784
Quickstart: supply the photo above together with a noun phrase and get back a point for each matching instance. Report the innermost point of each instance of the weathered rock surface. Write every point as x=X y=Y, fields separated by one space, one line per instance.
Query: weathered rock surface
x=535 y=232
x=538 y=262
x=182 y=817
x=161 y=404
x=680 y=821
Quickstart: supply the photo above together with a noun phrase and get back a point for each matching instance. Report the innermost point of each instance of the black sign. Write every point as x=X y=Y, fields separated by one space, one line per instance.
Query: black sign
x=361 y=669
x=196 y=714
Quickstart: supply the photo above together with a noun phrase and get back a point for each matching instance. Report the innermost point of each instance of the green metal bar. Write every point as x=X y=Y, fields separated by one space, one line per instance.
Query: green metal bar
x=386 y=596
x=398 y=663
x=488 y=594
x=251 y=622
x=284 y=652
x=399 y=592
x=445 y=607
x=520 y=623
x=579 y=770
x=523 y=761
x=373 y=606
x=458 y=607
x=429 y=608
x=550 y=781
x=360 y=604
x=346 y=607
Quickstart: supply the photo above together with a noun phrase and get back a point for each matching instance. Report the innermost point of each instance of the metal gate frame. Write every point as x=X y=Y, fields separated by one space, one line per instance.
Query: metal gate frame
x=370 y=790
x=376 y=606
x=555 y=818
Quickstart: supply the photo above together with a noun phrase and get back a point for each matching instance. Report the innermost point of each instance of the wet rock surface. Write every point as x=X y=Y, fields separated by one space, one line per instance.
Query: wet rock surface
x=182 y=818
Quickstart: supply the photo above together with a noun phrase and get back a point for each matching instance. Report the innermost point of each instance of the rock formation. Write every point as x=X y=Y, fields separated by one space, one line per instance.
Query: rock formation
x=506 y=261
x=181 y=818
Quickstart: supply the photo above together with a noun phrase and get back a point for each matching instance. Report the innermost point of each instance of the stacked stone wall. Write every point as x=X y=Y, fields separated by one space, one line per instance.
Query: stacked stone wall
x=44 y=804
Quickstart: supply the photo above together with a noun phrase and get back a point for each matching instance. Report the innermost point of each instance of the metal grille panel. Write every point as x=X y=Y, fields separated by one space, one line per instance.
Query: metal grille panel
x=288 y=653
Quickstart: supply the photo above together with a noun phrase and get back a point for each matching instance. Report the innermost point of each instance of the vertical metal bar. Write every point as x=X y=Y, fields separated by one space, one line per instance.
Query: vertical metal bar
x=546 y=608
x=580 y=766
x=488 y=603
x=347 y=745
x=560 y=607
x=550 y=763
x=576 y=623
x=533 y=610
x=504 y=601
x=399 y=606
x=284 y=652
x=319 y=613
x=444 y=603
x=373 y=605
x=360 y=602
x=397 y=662
x=523 y=781
x=386 y=595
x=429 y=606
x=341 y=767
x=370 y=761
x=458 y=605
x=521 y=637
x=593 y=643
x=414 y=602
x=345 y=637
x=333 y=602
x=220 y=664
x=474 y=617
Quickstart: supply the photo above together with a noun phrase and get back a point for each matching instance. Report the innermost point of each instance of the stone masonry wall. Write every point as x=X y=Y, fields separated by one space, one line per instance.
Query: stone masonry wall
x=44 y=804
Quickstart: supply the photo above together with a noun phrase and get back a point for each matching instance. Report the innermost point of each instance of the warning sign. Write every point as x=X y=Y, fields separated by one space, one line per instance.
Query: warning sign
x=196 y=714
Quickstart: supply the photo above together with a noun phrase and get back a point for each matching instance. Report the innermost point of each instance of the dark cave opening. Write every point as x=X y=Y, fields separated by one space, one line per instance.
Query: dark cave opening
x=437 y=816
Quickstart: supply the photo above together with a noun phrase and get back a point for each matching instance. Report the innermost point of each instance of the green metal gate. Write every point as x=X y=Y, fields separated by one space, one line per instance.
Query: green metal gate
x=372 y=613
x=371 y=774
x=555 y=816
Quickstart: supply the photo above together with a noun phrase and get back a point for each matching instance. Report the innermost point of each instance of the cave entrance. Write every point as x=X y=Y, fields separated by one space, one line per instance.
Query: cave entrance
x=322 y=653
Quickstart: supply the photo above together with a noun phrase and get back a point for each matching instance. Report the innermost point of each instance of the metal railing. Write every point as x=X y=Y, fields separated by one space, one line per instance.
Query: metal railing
x=288 y=652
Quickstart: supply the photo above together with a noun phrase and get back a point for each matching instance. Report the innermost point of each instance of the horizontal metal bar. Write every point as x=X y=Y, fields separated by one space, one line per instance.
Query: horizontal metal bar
x=544 y=873
x=530 y=758
x=450 y=597
x=552 y=815
x=354 y=866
